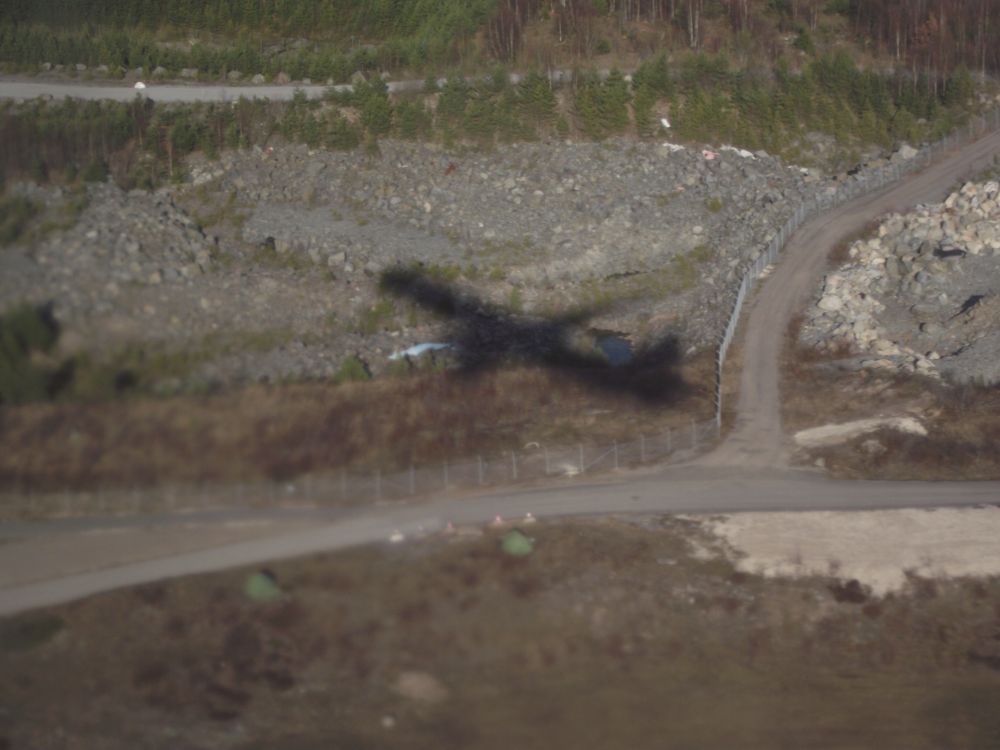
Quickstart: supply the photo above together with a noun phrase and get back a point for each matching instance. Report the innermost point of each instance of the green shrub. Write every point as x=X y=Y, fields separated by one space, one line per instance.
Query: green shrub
x=25 y=332
x=28 y=632
x=352 y=370
x=16 y=213
x=376 y=318
x=602 y=106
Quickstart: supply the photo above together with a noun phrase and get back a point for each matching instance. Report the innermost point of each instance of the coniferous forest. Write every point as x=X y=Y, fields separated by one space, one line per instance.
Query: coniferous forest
x=334 y=38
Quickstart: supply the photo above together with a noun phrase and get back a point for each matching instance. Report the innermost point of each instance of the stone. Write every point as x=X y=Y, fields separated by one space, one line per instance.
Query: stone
x=159 y=72
x=258 y=79
x=189 y=72
x=420 y=687
x=283 y=79
x=830 y=303
x=234 y=75
x=873 y=447
x=892 y=268
x=905 y=152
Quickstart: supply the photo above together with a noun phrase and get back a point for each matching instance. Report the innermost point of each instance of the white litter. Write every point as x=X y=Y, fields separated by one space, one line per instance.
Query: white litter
x=665 y=123
x=672 y=147
x=417 y=349
x=139 y=85
x=396 y=537
x=740 y=151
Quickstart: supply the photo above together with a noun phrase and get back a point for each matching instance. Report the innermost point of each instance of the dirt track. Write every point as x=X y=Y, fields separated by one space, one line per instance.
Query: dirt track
x=757 y=438
x=756 y=441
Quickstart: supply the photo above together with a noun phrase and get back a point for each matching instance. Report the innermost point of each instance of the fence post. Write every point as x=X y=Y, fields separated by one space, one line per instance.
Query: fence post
x=413 y=488
x=480 y=460
x=670 y=448
x=513 y=464
x=582 y=467
x=616 y=454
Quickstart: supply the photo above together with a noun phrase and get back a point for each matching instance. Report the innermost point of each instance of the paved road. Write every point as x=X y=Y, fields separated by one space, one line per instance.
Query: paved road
x=30 y=89
x=729 y=480
x=684 y=490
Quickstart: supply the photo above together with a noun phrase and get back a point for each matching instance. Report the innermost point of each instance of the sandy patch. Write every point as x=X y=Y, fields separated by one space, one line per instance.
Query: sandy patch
x=835 y=434
x=877 y=548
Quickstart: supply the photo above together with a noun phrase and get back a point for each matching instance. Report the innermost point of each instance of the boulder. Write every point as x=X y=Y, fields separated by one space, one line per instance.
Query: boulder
x=905 y=153
x=830 y=303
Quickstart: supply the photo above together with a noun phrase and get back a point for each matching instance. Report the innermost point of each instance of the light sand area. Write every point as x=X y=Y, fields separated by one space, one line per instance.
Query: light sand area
x=876 y=547
x=835 y=434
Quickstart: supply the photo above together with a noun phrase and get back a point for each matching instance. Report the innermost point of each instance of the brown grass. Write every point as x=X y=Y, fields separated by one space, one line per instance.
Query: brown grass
x=963 y=421
x=609 y=635
x=284 y=431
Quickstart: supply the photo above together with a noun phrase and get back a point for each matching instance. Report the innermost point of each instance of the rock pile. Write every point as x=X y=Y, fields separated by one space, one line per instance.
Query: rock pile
x=922 y=295
x=546 y=218
x=120 y=238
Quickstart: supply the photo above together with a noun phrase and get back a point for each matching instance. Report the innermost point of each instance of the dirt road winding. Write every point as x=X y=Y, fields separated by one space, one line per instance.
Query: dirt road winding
x=757 y=439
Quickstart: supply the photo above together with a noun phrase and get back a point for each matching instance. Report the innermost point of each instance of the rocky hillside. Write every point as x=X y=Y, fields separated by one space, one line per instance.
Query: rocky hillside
x=266 y=264
x=922 y=295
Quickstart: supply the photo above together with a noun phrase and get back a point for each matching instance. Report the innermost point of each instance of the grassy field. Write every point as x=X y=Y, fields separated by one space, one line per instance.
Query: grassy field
x=611 y=634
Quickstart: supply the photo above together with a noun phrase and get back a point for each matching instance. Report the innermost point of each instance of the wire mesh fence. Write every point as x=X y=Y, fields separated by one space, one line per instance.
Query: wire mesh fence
x=530 y=463
x=858 y=185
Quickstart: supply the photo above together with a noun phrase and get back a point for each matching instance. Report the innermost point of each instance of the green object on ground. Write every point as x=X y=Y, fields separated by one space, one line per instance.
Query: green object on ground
x=261 y=587
x=517 y=543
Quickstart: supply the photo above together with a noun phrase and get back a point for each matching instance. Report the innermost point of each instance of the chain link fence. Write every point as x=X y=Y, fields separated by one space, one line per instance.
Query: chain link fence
x=845 y=192
x=532 y=463
x=346 y=489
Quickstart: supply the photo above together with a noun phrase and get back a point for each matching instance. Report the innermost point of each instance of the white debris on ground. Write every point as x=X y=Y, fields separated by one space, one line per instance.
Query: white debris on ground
x=876 y=548
x=835 y=434
x=739 y=151
x=417 y=349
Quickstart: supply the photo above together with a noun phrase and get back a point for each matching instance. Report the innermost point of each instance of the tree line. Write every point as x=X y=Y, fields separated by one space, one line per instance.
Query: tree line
x=929 y=37
x=142 y=144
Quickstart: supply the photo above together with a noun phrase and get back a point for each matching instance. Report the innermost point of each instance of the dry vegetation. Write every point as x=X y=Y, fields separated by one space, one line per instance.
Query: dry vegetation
x=963 y=421
x=285 y=431
x=435 y=644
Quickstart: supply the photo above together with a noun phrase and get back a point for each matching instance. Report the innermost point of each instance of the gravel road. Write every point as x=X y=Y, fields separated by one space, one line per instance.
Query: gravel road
x=21 y=89
x=684 y=490
x=757 y=438
x=756 y=441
